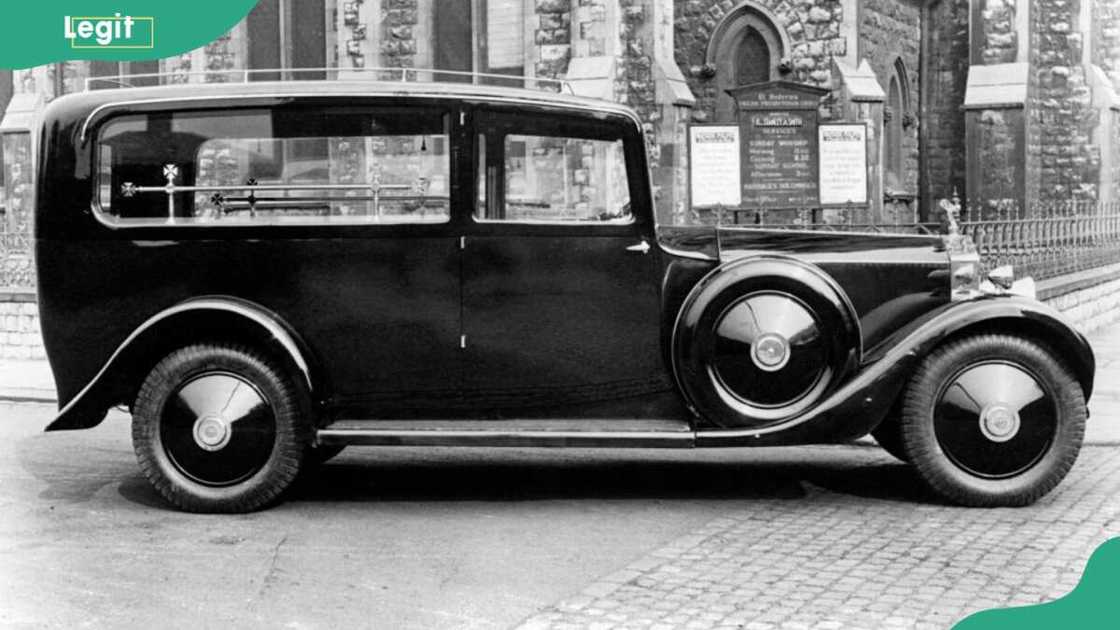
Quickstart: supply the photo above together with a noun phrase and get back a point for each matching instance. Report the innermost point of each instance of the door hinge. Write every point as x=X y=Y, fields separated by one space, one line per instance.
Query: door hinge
x=462 y=342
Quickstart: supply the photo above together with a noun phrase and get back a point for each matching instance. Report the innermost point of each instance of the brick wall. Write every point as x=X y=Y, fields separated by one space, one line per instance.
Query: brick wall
x=947 y=68
x=891 y=30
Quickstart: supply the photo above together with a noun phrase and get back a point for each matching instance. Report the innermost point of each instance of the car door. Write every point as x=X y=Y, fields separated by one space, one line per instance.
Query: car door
x=560 y=276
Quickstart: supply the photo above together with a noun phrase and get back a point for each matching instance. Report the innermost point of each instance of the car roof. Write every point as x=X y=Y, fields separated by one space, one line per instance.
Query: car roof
x=82 y=103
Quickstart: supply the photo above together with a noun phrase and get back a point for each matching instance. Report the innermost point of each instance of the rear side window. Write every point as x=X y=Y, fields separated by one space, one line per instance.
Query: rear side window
x=533 y=173
x=275 y=166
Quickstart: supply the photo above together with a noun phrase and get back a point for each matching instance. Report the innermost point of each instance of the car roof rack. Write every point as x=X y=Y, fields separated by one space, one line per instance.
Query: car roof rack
x=405 y=75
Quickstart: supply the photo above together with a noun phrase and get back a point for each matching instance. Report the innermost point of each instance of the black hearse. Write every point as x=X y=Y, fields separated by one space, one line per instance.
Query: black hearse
x=266 y=273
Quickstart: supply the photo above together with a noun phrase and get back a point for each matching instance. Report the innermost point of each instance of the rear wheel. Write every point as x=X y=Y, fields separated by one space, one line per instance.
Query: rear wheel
x=992 y=420
x=219 y=428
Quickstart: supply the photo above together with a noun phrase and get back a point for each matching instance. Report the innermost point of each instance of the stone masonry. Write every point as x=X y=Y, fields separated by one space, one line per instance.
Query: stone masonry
x=891 y=31
x=552 y=37
x=19 y=334
x=1000 y=37
x=398 y=42
x=813 y=27
x=1063 y=162
x=943 y=125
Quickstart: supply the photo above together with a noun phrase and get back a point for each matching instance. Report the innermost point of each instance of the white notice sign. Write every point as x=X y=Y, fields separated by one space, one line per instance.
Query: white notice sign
x=843 y=164
x=713 y=168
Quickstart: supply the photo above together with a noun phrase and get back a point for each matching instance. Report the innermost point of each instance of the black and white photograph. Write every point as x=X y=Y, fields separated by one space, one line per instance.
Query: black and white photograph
x=554 y=314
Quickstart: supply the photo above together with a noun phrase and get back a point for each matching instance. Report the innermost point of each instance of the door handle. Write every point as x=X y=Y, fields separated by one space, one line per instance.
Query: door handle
x=641 y=248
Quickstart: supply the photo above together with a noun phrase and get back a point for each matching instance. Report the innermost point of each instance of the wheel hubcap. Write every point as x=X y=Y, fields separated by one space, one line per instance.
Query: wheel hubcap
x=999 y=423
x=995 y=419
x=211 y=432
x=770 y=352
x=218 y=429
x=769 y=358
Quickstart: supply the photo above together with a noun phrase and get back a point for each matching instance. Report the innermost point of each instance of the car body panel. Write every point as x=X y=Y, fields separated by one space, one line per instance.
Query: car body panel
x=465 y=319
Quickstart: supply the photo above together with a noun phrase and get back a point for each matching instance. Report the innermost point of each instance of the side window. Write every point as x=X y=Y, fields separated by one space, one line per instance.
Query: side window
x=551 y=179
x=276 y=166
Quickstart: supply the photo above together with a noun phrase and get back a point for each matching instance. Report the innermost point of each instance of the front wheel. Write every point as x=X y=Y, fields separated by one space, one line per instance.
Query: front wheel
x=219 y=428
x=992 y=420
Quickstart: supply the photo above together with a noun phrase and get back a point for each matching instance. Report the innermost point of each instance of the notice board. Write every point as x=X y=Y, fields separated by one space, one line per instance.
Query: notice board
x=843 y=164
x=713 y=165
x=778 y=122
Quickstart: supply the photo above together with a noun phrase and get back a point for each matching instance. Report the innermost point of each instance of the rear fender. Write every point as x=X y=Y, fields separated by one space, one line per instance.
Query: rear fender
x=861 y=403
x=223 y=317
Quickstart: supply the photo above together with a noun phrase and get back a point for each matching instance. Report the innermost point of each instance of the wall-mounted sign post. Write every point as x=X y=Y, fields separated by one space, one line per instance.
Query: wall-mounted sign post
x=713 y=166
x=843 y=165
x=778 y=120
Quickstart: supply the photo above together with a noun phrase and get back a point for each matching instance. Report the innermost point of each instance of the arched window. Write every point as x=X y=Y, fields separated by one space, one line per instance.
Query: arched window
x=898 y=109
x=752 y=60
x=746 y=47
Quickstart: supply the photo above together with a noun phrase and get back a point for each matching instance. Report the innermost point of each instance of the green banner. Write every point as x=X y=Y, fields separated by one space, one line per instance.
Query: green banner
x=39 y=33
x=1092 y=605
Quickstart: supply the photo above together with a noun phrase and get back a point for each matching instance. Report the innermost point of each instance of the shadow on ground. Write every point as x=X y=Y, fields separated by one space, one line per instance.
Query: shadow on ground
x=512 y=474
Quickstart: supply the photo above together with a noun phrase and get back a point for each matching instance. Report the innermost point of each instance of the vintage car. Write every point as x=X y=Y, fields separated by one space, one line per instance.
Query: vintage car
x=265 y=273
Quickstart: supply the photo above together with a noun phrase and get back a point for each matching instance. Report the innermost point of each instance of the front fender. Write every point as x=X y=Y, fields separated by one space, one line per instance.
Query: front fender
x=861 y=403
x=118 y=375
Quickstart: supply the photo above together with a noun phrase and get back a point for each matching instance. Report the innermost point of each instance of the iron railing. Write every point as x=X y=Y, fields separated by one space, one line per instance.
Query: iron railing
x=16 y=269
x=1050 y=240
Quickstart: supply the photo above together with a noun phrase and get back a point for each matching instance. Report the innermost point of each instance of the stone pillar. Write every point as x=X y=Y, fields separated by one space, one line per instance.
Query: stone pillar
x=399 y=19
x=552 y=38
x=1063 y=160
x=941 y=125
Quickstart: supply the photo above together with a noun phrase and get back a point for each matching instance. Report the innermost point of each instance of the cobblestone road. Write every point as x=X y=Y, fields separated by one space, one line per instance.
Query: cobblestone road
x=824 y=560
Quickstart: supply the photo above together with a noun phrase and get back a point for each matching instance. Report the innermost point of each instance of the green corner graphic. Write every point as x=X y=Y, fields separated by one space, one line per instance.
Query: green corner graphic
x=1093 y=604
x=60 y=30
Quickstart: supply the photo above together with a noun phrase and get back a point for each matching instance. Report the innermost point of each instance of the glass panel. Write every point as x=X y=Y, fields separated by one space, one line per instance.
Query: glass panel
x=276 y=166
x=555 y=179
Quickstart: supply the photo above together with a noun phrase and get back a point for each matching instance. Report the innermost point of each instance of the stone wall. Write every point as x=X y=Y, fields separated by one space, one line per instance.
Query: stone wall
x=19 y=327
x=1064 y=162
x=947 y=76
x=891 y=30
x=1106 y=38
x=398 y=40
x=999 y=38
x=1091 y=299
x=552 y=37
x=813 y=28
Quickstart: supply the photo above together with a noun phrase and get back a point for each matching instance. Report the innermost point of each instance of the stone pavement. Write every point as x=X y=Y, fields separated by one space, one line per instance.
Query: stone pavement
x=823 y=560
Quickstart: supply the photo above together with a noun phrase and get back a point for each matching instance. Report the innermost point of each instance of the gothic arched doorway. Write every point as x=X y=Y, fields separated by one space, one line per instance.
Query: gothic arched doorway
x=746 y=47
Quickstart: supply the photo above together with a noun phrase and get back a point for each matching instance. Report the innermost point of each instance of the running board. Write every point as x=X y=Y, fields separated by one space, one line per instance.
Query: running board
x=535 y=433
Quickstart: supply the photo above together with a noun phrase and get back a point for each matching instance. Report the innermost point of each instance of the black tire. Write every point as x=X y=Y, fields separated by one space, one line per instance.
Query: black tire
x=246 y=442
x=992 y=420
x=889 y=436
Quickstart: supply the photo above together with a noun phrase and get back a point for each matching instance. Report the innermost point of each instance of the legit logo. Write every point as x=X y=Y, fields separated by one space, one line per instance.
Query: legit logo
x=110 y=32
